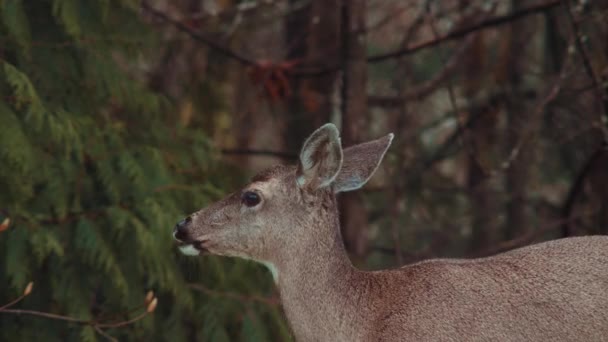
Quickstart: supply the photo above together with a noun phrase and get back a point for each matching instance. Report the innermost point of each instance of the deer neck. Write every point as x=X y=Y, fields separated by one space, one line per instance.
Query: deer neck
x=323 y=257
x=315 y=282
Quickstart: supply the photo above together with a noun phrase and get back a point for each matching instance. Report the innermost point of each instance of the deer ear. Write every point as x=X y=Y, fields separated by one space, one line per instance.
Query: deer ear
x=320 y=159
x=360 y=163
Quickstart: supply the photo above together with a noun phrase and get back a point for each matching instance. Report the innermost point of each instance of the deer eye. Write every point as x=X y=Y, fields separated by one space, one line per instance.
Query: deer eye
x=250 y=198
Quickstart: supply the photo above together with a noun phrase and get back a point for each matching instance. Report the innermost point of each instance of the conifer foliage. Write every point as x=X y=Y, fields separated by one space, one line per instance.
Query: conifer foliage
x=94 y=171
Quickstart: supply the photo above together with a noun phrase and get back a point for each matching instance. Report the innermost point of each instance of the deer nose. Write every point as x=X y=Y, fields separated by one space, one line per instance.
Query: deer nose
x=180 y=232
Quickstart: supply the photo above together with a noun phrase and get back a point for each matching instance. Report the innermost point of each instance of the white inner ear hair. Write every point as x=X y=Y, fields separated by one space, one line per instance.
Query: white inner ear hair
x=300 y=181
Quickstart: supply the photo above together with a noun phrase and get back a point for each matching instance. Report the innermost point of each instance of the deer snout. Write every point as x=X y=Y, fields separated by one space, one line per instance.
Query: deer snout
x=181 y=230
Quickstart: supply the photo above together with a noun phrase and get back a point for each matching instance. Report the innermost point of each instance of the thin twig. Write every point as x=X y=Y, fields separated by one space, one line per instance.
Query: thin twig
x=8 y=305
x=197 y=36
x=168 y=187
x=576 y=188
x=74 y=320
x=457 y=34
x=104 y=334
x=484 y=24
x=603 y=97
x=397 y=186
x=46 y=315
x=114 y=316
x=271 y=301
x=465 y=139
x=499 y=248
x=427 y=87
x=527 y=135
x=442 y=151
x=268 y=153
x=527 y=238
x=93 y=323
x=308 y=72
x=123 y=323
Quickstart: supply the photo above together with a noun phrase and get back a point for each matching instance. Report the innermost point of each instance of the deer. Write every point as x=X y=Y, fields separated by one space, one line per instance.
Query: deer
x=287 y=219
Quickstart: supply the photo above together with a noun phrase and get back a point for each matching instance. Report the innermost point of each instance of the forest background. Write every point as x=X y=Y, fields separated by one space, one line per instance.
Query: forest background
x=117 y=118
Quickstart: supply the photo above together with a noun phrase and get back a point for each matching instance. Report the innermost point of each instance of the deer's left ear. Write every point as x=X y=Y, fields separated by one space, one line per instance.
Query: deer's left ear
x=360 y=163
x=320 y=159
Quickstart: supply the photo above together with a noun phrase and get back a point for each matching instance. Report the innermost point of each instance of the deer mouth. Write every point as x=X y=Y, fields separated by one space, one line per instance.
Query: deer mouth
x=193 y=248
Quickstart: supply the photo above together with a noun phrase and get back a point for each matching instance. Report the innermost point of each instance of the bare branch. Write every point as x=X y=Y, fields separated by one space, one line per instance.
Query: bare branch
x=122 y=323
x=197 y=36
x=484 y=24
x=104 y=334
x=457 y=34
x=502 y=247
x=308 y=72
x=576 y=188
x=95 y=323
x=271 y=301
x=427 y=87
x=267 y=153
x=603 y=97
x=26 y=293
x=528 y=237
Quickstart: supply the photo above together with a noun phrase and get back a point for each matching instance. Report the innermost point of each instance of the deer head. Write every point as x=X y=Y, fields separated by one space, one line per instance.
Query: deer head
x=285 y=207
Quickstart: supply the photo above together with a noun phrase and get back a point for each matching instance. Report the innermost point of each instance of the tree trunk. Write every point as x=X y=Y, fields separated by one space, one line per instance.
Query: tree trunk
x=313 y=35
x=521 y=121
x=354 y=118
x=483 y=133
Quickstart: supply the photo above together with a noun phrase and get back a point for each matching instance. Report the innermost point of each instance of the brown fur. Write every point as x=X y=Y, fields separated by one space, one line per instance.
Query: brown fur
x=554 y=291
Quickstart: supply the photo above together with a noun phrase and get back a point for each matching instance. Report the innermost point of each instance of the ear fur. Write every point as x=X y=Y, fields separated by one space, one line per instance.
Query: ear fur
x=320 y=158
x=360 y=163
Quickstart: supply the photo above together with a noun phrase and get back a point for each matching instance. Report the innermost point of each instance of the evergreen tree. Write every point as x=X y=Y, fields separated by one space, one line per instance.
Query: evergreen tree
x=95 y=169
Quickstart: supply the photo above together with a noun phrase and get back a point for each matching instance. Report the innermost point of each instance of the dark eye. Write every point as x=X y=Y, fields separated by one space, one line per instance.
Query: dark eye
x=250 y=199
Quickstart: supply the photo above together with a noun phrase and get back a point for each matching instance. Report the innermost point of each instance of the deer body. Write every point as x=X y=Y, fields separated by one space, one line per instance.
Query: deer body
x=287 y=219
x=554 y=291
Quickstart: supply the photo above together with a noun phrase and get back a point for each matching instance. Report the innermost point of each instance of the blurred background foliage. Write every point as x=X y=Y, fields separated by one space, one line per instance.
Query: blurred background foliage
x=119 y=117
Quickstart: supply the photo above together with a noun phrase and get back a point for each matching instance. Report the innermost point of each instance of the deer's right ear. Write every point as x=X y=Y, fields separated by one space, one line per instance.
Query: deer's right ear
x=320 y=159
x=360 y=163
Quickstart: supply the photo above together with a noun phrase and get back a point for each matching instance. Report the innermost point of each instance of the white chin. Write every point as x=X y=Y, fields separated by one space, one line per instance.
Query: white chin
x=189 y=250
